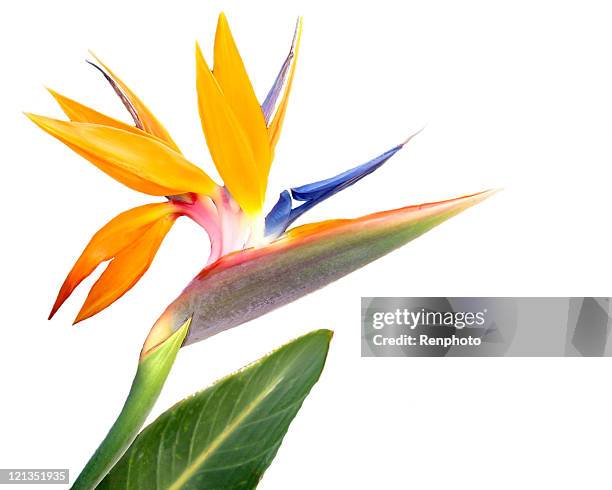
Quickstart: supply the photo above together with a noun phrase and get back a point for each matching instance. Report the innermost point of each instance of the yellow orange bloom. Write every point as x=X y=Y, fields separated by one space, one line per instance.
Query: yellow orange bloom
x=145 y=158
x=241 y=135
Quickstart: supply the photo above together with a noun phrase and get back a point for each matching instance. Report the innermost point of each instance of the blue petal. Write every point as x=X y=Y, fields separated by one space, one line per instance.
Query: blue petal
x=277 y=219
x=284 y=213
x=335 y=184
x=269 y=103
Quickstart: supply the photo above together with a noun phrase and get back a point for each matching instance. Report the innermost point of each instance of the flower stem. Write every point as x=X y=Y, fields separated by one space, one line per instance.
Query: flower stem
x=153 y=369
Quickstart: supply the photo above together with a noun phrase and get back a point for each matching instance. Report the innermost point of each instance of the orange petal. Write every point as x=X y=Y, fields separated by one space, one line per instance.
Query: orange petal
x=78 y=112
x=232 y=77
x=125 y=269
x=113 y=237
x=227 y=141
x=149 y=121
x=276 y=125
x=141 y=163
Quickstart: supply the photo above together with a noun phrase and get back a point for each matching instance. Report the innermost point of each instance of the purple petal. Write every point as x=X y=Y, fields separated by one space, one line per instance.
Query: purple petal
x=269 y=104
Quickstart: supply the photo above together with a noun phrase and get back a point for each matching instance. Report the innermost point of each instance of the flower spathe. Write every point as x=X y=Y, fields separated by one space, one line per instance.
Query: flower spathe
x=241 y=135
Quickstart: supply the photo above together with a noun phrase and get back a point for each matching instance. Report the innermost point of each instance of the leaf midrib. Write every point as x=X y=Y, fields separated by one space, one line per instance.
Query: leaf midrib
x=192 y=469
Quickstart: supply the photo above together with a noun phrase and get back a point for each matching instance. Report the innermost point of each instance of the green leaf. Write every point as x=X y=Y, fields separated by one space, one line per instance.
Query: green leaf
x=153 y=369
x=225 y=437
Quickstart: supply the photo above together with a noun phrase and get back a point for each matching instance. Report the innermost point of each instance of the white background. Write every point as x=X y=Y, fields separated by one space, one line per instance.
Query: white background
x=515 y=95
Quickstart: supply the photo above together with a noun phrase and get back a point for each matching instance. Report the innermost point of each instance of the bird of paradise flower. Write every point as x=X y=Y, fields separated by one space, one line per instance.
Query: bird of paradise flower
x=241 y=135
x=256 y=262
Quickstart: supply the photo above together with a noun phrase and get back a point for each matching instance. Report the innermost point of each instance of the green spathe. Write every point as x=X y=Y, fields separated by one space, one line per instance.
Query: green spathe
x=251 y=283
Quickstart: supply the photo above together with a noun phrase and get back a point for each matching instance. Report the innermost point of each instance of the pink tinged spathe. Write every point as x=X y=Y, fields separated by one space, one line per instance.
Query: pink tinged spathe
x=250 y=283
